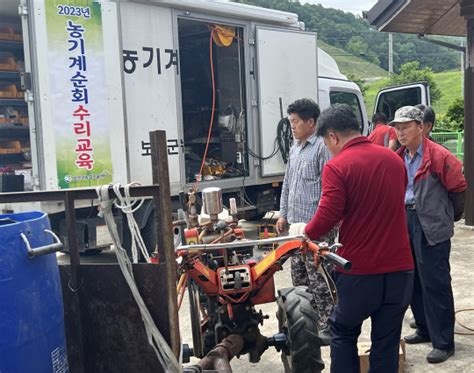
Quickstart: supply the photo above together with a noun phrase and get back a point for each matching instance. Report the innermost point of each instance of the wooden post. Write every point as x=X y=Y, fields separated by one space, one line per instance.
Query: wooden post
x=164 y=229
x=467 y=10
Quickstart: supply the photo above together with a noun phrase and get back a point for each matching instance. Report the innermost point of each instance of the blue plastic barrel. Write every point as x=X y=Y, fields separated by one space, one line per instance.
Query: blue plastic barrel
x=32 y=337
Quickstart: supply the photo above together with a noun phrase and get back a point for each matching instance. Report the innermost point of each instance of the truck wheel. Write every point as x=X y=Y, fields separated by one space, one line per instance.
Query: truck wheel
x=298 y=320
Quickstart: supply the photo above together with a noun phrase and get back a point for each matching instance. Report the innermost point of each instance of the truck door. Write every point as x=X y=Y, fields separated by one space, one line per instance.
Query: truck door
x=287 y=71
x=390 y=99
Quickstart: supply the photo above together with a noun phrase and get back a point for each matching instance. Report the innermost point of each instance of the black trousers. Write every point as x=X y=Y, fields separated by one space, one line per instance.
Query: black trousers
x=432 y=302
x=384 y=298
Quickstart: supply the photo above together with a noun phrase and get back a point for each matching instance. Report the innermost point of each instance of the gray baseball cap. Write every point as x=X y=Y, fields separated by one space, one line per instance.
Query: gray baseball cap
x=407 y=114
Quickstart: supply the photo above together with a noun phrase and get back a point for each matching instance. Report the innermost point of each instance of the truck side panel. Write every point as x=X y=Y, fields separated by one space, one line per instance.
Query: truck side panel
x=287 y=70
x=151 y=64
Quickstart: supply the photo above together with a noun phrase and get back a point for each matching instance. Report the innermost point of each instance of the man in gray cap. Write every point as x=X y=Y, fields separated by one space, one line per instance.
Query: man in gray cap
x=434 y=199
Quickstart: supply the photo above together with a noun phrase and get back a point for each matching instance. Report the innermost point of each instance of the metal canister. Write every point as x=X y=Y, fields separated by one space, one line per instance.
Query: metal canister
x=212 y=201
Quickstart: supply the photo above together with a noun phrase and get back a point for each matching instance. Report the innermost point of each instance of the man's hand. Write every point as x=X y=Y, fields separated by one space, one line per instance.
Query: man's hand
x=281 y=225
x=296 y=229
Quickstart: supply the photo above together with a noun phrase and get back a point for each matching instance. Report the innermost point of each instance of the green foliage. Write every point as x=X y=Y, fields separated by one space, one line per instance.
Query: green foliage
x=352 y=65
x=455 y=113
x=446 y=124
x=410 y=72
x=356 y=37
x=362 y=85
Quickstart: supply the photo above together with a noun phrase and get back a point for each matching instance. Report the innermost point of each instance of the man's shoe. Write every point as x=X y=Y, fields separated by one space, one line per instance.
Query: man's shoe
x=412 y=323
x=325 y=336
x=438 y=356
x=415 y=339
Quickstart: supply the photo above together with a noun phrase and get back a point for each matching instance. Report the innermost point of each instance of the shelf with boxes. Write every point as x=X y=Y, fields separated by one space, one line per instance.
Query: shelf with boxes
x=15 y=153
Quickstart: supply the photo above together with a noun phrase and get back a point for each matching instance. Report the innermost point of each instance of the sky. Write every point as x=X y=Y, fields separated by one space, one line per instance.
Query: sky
x=353 y=6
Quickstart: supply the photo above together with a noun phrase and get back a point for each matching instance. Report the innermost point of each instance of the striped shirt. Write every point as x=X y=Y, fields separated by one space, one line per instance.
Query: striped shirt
x=301 y=189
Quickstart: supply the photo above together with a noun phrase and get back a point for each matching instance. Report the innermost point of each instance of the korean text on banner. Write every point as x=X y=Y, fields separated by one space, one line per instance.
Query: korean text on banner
x=78 y=93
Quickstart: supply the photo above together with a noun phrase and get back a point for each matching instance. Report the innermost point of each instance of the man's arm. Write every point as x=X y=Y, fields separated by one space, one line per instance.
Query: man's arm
x=452 y=177
x=331 y=206
x=392 y=139
x=455 y=183
x=457 y=199
x=282 y=220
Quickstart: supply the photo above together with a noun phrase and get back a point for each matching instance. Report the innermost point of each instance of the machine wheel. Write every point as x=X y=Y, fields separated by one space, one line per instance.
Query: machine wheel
x=298 y=320
x=195 y=314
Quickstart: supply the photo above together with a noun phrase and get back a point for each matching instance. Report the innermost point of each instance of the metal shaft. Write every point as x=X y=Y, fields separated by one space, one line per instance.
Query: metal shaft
x=241 y=243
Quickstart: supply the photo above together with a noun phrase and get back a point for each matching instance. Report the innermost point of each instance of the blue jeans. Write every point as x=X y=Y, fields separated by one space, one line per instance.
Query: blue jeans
x=432 y=302
x=382 y=297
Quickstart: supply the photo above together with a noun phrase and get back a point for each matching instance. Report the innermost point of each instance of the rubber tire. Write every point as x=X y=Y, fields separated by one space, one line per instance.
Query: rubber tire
x=298 y=320
x=195 y=314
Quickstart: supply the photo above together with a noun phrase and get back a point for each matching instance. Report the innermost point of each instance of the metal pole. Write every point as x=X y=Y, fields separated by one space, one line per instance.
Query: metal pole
x=390 y=54
x=164 y=230
x=76 y=352
x=468 y=12
x=463 y=65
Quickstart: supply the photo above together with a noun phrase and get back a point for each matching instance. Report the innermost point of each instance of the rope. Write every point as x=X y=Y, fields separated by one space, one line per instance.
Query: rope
x=162 y=350
x=128 y=207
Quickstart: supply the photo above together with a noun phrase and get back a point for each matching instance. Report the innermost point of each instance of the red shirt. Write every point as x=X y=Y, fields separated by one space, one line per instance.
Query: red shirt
x=364 y=189
x=382 y=134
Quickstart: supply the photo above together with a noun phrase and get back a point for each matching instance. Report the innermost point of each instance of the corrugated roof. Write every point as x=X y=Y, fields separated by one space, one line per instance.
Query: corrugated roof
x=437 y=17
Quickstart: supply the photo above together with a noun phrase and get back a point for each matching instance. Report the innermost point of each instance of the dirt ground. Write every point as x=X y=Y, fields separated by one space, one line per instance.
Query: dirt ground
x=462 y=262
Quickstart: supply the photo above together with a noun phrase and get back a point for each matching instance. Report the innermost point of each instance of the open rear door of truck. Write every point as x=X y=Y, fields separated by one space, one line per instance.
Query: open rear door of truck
x=287 y=70
x=392 y=98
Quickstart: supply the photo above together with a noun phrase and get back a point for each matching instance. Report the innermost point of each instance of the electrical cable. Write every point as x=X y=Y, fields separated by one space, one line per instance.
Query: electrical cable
x=470 y=329
x=213 y=110
x=285 y=138
x=282 y=142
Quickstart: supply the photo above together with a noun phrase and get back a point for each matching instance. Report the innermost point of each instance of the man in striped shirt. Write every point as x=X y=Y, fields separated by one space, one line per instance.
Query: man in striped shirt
x=299 y=200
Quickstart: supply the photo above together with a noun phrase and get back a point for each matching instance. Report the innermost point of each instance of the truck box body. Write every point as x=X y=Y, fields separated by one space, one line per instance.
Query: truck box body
x=105 y=73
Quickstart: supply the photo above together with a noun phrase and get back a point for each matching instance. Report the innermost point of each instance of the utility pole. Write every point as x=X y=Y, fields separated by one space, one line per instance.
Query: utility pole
x=390 y=54
x=463 y=65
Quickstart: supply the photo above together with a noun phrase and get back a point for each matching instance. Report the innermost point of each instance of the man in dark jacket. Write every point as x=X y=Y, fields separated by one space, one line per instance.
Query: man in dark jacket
x=434 y=199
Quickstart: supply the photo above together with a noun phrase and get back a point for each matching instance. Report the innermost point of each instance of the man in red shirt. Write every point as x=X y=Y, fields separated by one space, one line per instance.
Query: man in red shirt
x=363 y=189
x=383 y=134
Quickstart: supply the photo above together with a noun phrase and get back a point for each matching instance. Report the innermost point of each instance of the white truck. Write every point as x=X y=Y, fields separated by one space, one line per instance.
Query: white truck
x=82 y=82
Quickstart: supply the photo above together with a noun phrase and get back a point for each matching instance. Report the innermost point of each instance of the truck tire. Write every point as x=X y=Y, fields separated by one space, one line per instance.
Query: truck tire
x=298 y=320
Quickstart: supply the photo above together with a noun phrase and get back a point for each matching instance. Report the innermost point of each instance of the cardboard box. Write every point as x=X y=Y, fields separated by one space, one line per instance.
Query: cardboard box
x=364 y=351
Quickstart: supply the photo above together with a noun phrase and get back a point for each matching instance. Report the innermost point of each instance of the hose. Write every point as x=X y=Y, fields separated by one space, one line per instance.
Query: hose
x=470 y=329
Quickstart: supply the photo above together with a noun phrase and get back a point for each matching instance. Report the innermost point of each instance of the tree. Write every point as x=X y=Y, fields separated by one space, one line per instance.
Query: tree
x=410 y=72
x=362 y=85
x=455 y=112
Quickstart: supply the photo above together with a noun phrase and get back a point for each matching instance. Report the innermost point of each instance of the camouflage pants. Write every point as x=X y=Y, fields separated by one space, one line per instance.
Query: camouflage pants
x=304 y=272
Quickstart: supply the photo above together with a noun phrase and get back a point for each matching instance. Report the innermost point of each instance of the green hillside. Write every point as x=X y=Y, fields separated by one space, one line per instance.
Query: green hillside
x=449 y=83
x=352 y=65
